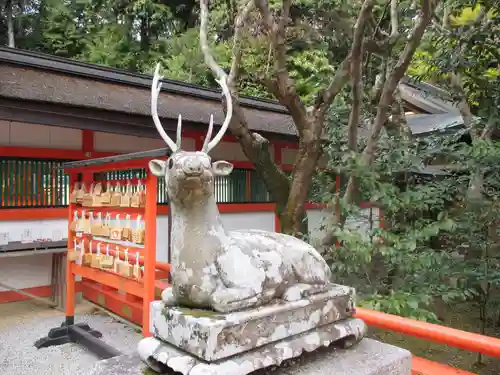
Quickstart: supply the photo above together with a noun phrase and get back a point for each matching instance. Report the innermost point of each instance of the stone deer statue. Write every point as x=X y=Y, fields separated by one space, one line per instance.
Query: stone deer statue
x=213 y=268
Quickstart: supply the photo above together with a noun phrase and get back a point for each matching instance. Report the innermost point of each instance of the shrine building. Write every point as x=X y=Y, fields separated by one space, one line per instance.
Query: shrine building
x=54 y=110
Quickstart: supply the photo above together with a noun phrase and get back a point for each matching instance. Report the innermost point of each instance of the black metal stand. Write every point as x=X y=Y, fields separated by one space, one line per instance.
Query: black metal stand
x=81 y=334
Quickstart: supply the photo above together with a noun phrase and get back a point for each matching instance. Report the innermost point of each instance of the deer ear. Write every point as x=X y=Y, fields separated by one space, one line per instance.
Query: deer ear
x=158 y=167
x=222 y=168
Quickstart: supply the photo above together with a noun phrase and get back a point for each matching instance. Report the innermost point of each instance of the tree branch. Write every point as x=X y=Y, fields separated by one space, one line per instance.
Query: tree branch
x=446 y=15
x=205 y=48
x=395 y=76
x=397 y=123
x=488 y=129
x=357 y=73
x=462 y=105
x=326 y=97
x=283 y=86
x=281 y=35
x=239 y=23
x=254 y=146
x=352 y=62
x=394 y=22
x=455 y=78
x=384 y=106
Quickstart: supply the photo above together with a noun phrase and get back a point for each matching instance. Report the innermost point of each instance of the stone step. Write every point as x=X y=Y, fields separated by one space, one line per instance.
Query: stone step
x=369 y=357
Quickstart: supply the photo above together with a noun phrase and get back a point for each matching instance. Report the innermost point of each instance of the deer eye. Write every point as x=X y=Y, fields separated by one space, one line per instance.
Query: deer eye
x=170 y=163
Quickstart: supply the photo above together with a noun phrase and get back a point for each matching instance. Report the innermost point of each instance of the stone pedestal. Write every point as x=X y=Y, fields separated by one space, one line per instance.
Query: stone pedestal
x=369 y=357
x=212 y=336
x=201 y=342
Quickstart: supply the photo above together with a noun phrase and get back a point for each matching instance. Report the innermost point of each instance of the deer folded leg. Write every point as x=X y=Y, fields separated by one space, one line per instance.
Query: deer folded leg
x=236 y=306
x=301 y=290
x=233 y=299
x=168 y=298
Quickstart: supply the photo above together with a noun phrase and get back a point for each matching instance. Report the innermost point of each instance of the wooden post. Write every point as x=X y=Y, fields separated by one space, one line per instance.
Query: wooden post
x=70 y=277
x=150 y=250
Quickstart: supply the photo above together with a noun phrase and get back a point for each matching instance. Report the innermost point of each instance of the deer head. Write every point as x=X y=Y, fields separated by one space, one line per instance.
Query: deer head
x=189 y=175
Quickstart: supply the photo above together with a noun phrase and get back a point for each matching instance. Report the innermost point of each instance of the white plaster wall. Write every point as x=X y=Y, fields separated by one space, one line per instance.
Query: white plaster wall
x=39 y=136
x=32 y=230
x=250 y=220
x=34 y=271
x=317 y=218
x=119 y=143
x=288 y=156
x=229 y=151
x=26 y=272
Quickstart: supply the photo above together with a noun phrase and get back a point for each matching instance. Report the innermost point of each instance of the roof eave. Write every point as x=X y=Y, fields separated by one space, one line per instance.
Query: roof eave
x=77 y=68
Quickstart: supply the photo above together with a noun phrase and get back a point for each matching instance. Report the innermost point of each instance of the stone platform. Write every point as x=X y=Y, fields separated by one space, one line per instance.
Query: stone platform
x=212 y=336
x=369 y=357
x=159 y=355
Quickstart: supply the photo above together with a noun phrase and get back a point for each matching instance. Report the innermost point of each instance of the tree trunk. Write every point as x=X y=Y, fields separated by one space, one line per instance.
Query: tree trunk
x=254 y=146
x=145 y=32
x=397 y=125
x=382 y=115
x=295 y=222
x=10 y=23
x=256 y=149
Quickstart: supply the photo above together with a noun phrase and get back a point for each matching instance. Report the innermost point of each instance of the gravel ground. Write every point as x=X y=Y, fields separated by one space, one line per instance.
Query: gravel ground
x=18 y=356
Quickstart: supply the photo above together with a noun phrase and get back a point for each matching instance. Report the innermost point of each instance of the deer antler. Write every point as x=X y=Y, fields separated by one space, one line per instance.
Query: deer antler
x=155 y=91
x=227 y=120
x=221 y=78
x=178 y=139
x=209 y=134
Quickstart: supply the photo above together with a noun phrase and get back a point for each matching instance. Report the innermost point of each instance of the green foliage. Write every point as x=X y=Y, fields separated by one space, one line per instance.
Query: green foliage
x=135 y=35
x=468 y=47
x=60 y=34
x=183 y=60
x=421 y=253
x=96 y=51
x=311 y=71
x=437 y=241
x=402 y=303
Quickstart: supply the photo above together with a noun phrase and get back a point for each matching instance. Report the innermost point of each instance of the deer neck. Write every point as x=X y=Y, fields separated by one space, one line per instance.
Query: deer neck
x=197 y=232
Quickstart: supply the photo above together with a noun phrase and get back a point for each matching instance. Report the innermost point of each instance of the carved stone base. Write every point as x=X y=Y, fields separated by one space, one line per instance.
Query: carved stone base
x=212 y=336
x=160 y=355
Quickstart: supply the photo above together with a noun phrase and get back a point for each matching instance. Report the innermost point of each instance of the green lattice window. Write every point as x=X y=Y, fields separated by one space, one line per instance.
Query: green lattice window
x=40 y=183
x=32 y=183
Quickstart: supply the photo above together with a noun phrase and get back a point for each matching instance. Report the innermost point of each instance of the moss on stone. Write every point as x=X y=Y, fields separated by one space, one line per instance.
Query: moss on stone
x=199 y=313
x=168 y=313
x=148 y=371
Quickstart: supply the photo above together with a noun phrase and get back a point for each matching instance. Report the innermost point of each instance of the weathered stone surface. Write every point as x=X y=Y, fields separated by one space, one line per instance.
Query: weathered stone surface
x=346 y=332
x=369 y=357
x=211 y=336
x=216 y=269
x=273 y=292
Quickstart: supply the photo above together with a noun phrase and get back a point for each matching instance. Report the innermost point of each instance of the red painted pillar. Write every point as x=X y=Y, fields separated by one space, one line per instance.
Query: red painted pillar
x=278 y=150
x=88 y=149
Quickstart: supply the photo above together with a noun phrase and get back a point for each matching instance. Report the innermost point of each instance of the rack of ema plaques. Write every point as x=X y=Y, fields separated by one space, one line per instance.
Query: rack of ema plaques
x=111 y=246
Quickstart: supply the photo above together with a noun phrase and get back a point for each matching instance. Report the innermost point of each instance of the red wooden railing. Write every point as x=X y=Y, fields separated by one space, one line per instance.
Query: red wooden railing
x=433 y=332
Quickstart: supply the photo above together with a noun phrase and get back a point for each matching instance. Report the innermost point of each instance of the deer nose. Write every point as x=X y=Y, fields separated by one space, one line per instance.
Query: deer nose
x=192 y=167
